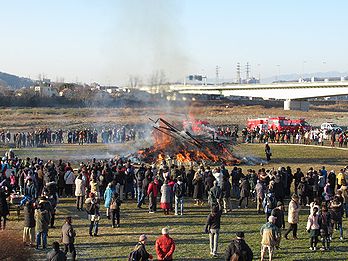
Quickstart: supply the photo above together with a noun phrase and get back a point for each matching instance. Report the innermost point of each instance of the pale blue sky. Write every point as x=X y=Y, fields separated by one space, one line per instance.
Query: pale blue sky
x=106 y=41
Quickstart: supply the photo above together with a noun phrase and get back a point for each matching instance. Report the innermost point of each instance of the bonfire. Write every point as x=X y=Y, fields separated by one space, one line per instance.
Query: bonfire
x=182 y=147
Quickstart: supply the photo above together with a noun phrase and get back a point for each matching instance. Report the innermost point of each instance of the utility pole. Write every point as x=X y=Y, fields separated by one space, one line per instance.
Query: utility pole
x=238 y=73
x=247 y=74
x=217 y=75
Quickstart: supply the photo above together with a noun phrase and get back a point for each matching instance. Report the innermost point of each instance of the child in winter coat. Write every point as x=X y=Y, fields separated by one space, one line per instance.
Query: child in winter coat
x=115 y=209
x=325 y=227
x=313 y=228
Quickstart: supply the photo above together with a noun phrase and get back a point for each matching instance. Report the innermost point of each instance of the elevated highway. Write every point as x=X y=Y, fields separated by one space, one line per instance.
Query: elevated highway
x=295 y=95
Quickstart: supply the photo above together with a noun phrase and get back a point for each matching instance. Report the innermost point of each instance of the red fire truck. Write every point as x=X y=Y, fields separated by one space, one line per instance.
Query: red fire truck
x=278 y=123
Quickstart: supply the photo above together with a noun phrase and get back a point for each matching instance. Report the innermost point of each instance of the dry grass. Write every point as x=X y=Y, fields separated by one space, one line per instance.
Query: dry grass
x=217 y=113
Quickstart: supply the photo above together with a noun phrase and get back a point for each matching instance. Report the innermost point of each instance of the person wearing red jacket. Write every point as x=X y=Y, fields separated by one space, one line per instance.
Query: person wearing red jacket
x=152 y=192
x=165 y=246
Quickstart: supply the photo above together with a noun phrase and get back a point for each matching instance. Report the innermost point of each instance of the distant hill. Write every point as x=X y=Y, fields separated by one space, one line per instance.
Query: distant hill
x=13 y=81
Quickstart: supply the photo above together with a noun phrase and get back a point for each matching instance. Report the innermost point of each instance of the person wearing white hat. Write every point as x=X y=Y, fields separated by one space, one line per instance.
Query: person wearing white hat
x=270 y=234
x=165 y=246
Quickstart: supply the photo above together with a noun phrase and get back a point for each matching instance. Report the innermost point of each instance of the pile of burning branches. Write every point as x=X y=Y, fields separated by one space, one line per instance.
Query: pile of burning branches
x=182 y=147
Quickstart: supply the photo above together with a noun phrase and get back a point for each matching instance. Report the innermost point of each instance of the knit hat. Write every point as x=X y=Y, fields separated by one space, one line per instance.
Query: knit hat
x=165 y=231
x=142 y=237
x=240 y=234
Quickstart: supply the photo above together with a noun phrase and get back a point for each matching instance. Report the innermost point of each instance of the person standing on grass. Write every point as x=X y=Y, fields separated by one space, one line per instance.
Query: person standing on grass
x=336 y=211
x=139 y=177
x=165 y=197
x=56 y=254
x=293 y=216
x=260 y=190
x=270 y=234
x=179 y=192
x=278 y=212
x=268 y=151
x=80 y=191
x=313 y=228
x=69 y=179
x=244 y=192
x=238 y=249
x=165 y=246
x=198 y=188
x=269 y=203
x=226 y=192
x=92 y=208
x=213 y=228
x=152 y=192
x=68 y=238
x=4 y=209
x=110 y=190
x=139 y=252
x=42 y=219
x=29 y=223
x=115 y=209
x=325 y=227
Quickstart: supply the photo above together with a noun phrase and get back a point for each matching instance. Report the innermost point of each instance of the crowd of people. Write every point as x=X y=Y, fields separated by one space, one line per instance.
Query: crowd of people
x=301 y=136
x=37 y=138
x=39 y=185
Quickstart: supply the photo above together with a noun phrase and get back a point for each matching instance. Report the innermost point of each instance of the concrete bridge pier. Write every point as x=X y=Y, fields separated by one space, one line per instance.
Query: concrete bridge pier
x=300 y=105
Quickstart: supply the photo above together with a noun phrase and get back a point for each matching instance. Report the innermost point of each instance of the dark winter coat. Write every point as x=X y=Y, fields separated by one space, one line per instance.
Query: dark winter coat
x=142 y=254
x=279 y=214
x=226 y=188
x=29 y=220
x=244 y=188
x=198 y=188
x=213 y=221
x=240 y=247
x=4 y=210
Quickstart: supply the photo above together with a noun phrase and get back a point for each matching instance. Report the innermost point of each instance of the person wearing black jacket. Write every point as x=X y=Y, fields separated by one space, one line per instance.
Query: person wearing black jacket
x=238 y=249
x=213 y=228
x=56 y=254
x=278 y=212
x=4 y=209
x=29 y=223
x=139 y=177
x=141 y=253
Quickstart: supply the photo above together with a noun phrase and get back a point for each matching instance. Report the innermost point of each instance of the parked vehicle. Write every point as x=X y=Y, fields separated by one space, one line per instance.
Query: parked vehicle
x=279 y=123
x=330 y=126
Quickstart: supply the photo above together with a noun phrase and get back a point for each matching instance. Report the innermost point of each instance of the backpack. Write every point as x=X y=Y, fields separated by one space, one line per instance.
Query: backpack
x=270 y=202
x=134 y=255
x=90 y=209
x=115 y=204
x=179 y=190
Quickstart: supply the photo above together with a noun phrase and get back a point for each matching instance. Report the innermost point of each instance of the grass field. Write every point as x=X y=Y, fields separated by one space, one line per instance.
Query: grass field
x=219 y=113
x=187 y=230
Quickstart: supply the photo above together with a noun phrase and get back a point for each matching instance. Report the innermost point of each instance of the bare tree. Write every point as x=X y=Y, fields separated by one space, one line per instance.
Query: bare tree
x=134 y=81
x=157 y=79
